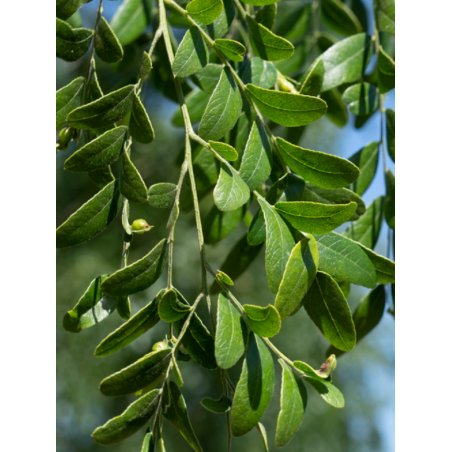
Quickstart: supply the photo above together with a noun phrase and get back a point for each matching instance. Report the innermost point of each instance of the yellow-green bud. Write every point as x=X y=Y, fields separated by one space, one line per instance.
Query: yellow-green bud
x=64 y=137
x=140 y=227
x=328 y=366
x=159 y=346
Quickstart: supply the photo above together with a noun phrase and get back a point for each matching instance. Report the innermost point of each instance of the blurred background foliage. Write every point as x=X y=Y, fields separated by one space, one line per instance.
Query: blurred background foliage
x=365 y=376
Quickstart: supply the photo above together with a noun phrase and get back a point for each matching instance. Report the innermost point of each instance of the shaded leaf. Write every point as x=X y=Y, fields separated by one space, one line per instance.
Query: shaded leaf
x=140 y=126
x=384 y=11
x=366 y=159
x=102 y=177
x=123 y=307
x=327 y=391
x=362 y=99
x=71 y=43
x=218 y=225
x=106 y=43
x=67 y=99
x=265 y=322
x=220 y=26
x=390 y=199
x=192 y=54
x=266 y=16
x=162 y=195
x=384 y=268
x=207 y=78
x=340 y=18
x=220 y=406
x=146 y=65
x=196 y=102
x=390 y=132
x=386 y=72
x=130 y=183
x=205 y=11
x=231 y=192
x=312 y=80
x=170 y=308
x=260 y=73
x=337 y=111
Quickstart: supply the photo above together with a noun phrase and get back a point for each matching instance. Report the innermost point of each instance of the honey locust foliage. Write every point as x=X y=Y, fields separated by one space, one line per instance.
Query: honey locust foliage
x=239 y=88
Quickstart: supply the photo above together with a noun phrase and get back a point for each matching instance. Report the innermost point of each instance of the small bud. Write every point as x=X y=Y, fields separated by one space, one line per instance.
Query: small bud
x=328 y=366
x=64 y=138
x=285 y=85
x=159 y=346
x=140 y=227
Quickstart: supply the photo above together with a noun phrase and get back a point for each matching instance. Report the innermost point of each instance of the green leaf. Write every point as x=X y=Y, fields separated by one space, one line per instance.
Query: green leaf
x=177 y=414
x=131 y=20
x=340 y=18
x=196 y=102
x=71 y=43
x=367 y=229
x=337 y=111
x=265 y=322
x=224 y=278
x=92 y=308
x=237 y=261
x=170 y=308
x=130 y=183
x=316 y=194
x=140 y=126
x=366 y=159
x=218 y=225
x=346 y=61
x=146 y=65
x=230 y=338
x=384 y=268
x=220 y=26
x=327 y=391
x=298 y=276
x=123 y=307
x=231 y=192
x=232 y=49
x=205 y=11
x=103 y=112
x=266 y=16
x=135 y=327
x=286 y=109
x=315 y=218
x=138 y=276
x=266 y=44
x=138 y=375
x=362 y=99
x=207 y=78
x=220 y=406
x=192 y=54
x=328 y=309
x=102 y=177
x=260 y=2
x=323 y=373
x=343 y=259
x=106 y=43
x=129 y=422
x=91 y=219
x=225 y=150
x=384 y=11
x=67 y=99
x=99 y=153
x=223 y=109
x=162 y=195
x=260 y=73
x=312 y=80
x=294 y=399
x=254 y=389
x=390 y=132
x=256 y=163
x=386 y=72
x=390 y=199
x=324 y=170
x=66 y=8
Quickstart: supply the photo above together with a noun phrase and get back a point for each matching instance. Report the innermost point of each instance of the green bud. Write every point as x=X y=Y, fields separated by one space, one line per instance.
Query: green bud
x=327 y=367
x=285 y=85
x=159 y=346
x=64 y=137
x=140 y=227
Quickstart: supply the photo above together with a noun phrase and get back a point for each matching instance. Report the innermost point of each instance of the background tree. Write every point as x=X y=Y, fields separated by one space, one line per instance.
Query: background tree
x=307 y=60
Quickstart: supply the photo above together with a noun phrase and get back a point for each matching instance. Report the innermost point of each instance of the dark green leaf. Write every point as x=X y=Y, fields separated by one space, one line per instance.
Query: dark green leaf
x=103 y=112
x=192 y=54
x=146 y=65
x=266 y=16
x=91 y=219
x=220 y=26
x=223 y=109
x=260 y=2
x=362 y=99
x=344 y=259
x=286 y=109
x=312 y=80
x=328 y=309
x=230 y=338
x=327 y=391
x=218 y=225
x=102 y=177
x=162 y=195
x=99 y=153
x=135 y=327
x=170 y=308
x=138 y=276
x=205 y=11
x=232 y=49
x=106 y=43
x=384 y=11
x=384 y=268
x=66 y=8
x=260 y=73
x=93 y=90
x=254 y=389
x=207 y=78
x=225 y=150
x=123 y=307
x=366 y=159
x=71 y=43
x=294 y=399
x=390 y=199
x=337 y=111
x=390 y=132
x=140 y=126
x=220 y=406
x=67 y=99
x=130 y=183
x=196 y=102
x=340 y=18
x=386 y=72
x=129 y=422
x=231 y=192
x=265 y=322
x=325 y=41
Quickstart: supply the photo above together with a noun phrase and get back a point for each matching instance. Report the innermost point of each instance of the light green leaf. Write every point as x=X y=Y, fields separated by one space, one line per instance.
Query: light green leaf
x=343 y=259
x=170 y=308
x=386 y=72
x=135 y=327
x=230 y=338
x=254 y=389
x=260 y=73
x=224 y=278
x=231 y=192
x=177 y=414
x=66 y=8
x=384 y=268
x=384 y=11
x=162 y=195
x=337 y=111
x=138 y=276
x=207 y=78
x=390 y=199
x=102 y=177
x=346 y=61
x=225 y=150
x=177 y=373
x=205 y=11
x=294 y=399
x=266 y=16
x=298 y=276
x=324 y=170
x=220 y=406
x=91 y=219
x=366 y=159
x=192 y=54
x=232 y=49
x=131 y=20
x=312 y=80
x=218 y=225
x=103 y=112
x=71 y=43
x=196 y=102
x=323 y=373
x=328 y=309
x=106 y=43
x=362 y=99
x=340 y=18
x=390 y=132
x=130 y=183
x=265 y=322
x=223 y=109
x=315 y=218
x=140 y=126
x=266 y=44
x=327 y=391
x=100 y=152
x=129 y=422
x=257 y=159
x=279 y=245
x=138 y=375
x=67 y=99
